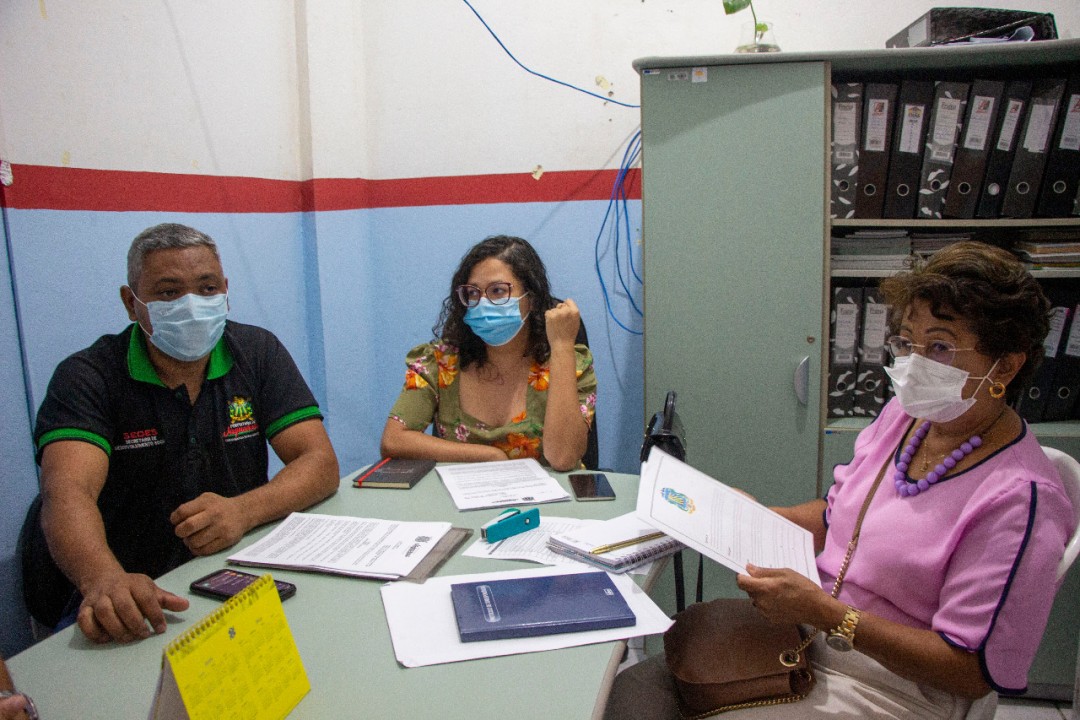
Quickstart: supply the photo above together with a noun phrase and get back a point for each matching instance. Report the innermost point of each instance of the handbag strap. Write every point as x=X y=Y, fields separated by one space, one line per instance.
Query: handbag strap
x=790 y=658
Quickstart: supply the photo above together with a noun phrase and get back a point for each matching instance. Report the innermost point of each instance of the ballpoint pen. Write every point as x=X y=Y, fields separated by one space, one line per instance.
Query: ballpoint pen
x=626 y=543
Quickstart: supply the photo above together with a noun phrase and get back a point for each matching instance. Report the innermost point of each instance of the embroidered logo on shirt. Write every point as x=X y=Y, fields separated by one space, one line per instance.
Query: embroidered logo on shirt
x=139 y=439
x=241 y=420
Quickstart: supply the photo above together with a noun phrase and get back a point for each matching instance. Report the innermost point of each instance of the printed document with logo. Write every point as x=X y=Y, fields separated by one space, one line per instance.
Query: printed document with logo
x=500 y=484
x=340 y=545
x=718 y=521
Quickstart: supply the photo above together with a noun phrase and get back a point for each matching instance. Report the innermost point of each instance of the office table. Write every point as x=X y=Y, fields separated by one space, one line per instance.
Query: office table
x=341 y=632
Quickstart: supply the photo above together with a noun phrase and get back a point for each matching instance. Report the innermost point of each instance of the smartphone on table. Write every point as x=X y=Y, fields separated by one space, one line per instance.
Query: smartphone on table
x=591 y=486
x=223 y=584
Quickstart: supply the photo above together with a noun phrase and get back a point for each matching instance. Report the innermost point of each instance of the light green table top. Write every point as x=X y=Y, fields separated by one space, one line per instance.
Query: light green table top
x=341 y=632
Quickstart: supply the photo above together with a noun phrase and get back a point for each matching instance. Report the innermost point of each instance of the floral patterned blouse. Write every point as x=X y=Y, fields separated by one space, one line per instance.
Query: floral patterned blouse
x=431 y=395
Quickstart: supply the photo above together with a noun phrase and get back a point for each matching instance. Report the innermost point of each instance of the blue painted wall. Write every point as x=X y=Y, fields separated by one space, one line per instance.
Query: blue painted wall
x=348 y=292
x=17 y=476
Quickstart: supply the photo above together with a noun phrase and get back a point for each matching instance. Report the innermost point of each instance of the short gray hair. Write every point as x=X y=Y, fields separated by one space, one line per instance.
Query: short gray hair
x=163 y=237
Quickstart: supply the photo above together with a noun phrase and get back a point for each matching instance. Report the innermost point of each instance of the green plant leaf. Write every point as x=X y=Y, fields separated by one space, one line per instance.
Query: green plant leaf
x=761 y=28
x=734 y=6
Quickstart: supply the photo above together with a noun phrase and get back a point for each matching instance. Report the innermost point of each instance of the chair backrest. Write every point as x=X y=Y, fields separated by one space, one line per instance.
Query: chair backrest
x=1069 y=469
x=591 y=458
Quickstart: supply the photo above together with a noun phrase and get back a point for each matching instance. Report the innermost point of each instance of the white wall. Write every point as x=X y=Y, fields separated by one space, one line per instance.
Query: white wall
x=196 y=86
x=402 y=88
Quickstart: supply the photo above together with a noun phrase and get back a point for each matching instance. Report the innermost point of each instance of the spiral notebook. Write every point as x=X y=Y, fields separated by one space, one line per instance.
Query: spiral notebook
x=238 y=661
x=624 y=542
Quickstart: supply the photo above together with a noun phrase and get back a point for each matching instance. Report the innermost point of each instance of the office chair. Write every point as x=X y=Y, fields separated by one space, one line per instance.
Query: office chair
x=1069 y=469
x=665 y=430
x=591 y=458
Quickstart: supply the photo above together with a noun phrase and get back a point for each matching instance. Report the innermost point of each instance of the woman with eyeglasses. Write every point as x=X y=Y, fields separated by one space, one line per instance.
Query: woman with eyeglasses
x=503 y=379
x=947 y=591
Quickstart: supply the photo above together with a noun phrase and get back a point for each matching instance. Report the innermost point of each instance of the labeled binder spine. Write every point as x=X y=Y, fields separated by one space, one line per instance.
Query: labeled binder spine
x=1032 y=150
x=973 y=149
x=950 y=99
x=846 y=111
x=843 y=350
x=1060 y=181
x=901 y=189
x=871 y=381
x=1066 y=383
x=999 y=162
x=879 y=114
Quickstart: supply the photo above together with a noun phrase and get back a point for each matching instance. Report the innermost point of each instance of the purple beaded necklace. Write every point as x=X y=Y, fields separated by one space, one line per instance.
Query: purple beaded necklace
x=905 y=486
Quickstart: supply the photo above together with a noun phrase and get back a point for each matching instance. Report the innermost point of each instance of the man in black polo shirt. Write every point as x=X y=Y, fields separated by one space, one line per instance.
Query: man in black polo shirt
x=152 y=445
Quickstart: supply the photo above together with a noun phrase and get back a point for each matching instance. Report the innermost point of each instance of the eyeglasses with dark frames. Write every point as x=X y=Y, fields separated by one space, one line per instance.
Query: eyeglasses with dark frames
x=497 y=293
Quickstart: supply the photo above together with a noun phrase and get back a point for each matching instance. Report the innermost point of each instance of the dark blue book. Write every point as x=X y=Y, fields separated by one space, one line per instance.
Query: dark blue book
x=544 y=605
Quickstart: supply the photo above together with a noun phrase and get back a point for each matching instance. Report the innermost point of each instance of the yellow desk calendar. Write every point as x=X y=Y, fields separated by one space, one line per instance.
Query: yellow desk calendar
x=240 y=661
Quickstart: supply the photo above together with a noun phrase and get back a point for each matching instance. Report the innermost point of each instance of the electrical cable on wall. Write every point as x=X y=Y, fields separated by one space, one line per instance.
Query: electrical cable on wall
x=537 y=74
x=618 y=212
x=617 y=209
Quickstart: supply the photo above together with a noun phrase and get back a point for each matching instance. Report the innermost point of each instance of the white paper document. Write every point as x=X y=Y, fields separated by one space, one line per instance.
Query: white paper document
x=535 y=545
x=424 y=629
x=500 y=484
x=532 y=545
x=361 y=547
x=718 y=521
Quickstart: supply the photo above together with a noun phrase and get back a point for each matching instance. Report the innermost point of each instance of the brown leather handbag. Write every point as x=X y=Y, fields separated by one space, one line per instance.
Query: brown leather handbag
x=725 y=655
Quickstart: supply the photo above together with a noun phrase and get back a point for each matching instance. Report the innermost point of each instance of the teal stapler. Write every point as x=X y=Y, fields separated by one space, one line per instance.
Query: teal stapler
x=510 y=522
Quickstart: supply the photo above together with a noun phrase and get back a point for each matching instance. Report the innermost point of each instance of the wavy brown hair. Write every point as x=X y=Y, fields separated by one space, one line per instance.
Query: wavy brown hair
x=526 y=264
x=990 y=290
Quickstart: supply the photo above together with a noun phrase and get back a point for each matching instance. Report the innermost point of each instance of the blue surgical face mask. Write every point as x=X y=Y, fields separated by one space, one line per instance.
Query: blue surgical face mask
x=189 y=327
x=495 y=324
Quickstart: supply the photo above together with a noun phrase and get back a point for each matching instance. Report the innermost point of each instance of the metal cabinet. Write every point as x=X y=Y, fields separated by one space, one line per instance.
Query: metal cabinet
x=736 y=266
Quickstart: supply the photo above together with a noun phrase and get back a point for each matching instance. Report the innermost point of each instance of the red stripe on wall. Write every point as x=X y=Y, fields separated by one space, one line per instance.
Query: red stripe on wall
x=40 y=187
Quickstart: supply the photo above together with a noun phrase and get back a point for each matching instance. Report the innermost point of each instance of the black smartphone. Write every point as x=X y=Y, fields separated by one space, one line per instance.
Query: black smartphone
x=223 y=584
x=591 y=486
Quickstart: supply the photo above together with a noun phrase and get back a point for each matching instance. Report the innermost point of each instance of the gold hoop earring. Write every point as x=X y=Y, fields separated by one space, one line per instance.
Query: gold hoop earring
x=997 y=389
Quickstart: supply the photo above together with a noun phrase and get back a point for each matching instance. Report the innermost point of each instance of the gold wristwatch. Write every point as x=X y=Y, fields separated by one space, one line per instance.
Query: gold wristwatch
x=842 y=637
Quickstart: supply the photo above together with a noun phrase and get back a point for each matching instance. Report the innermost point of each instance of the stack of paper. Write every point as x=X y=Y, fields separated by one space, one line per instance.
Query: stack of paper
x=618 y=545
x=871 y=250
x=1049 y=254
x=360 y=547
x=926 y=244
x=500 y=484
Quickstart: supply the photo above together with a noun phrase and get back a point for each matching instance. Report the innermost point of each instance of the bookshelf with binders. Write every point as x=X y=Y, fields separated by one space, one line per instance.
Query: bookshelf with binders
x=739 y=182
x=996 y=150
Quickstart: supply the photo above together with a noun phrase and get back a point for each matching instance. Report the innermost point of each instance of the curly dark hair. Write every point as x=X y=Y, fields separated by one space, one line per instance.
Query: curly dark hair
x=989 y=289
x=523 y=260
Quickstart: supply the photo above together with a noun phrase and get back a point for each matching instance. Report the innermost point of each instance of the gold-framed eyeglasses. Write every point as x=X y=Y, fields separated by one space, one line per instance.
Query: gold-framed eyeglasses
x=497 y=293
x=941 y=351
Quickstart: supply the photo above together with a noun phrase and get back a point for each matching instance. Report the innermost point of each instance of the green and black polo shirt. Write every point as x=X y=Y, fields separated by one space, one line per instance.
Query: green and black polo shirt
x=163 y=451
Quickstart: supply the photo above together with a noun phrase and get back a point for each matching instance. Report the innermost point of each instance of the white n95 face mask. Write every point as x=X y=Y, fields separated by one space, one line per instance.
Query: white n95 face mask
x=931 y=390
